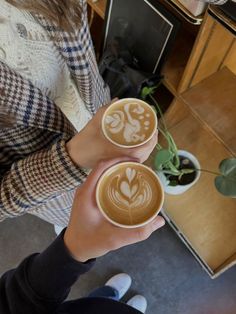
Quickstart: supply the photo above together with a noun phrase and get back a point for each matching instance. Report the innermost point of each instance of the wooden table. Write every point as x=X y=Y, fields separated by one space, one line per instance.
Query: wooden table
x=204 y=123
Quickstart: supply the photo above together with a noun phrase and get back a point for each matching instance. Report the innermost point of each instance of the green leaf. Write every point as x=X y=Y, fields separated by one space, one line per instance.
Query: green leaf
x=228 y=167
x=162 y=157
x=169 y=165
x=170 y=172
x=226 y=183
x=146 y=91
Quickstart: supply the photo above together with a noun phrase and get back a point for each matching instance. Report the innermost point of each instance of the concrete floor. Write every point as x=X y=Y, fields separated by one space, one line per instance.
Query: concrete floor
x=162 y=269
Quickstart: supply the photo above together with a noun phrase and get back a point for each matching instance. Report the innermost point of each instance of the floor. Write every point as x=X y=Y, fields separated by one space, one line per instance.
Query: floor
x=162 y=269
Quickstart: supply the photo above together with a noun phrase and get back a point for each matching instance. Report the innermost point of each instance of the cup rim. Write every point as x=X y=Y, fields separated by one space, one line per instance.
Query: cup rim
x=122 y=145
x=123 y=225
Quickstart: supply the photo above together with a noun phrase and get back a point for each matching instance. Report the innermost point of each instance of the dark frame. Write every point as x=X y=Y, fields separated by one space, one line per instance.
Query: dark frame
x=163 y=13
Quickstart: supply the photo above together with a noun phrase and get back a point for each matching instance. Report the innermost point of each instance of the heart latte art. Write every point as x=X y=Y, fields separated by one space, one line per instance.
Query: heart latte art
x=130 y=191
x=129 y=194
x=129 y=122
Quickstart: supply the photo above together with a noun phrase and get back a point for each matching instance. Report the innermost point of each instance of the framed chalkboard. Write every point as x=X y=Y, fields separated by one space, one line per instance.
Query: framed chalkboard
x=147 y=28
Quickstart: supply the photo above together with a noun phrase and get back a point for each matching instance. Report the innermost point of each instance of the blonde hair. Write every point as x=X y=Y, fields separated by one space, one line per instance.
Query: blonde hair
x=66 y=14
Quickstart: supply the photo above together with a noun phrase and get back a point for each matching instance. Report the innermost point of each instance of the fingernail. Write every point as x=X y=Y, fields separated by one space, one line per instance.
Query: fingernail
x=134 y=159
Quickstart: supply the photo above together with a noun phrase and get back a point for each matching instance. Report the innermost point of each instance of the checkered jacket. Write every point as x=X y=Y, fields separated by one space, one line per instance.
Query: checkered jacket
x=34 y=164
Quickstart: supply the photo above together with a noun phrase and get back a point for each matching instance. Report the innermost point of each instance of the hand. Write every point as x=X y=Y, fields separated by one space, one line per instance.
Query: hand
x=90 y=146
x=88 y=234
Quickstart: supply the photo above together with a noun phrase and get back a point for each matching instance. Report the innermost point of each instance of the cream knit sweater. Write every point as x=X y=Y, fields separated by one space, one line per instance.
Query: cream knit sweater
x=26 y=48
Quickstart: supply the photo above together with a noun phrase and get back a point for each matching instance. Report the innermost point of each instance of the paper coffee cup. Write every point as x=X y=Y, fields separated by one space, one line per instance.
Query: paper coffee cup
x=129 y=195
x=129 y=122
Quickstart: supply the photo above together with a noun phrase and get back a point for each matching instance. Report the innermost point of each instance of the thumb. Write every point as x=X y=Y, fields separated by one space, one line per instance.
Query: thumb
x=114 y=100
x=104 y=107
x=132 y=236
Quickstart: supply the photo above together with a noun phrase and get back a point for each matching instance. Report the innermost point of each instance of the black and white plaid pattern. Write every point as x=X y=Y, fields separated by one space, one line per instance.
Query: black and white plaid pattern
x=35 y=169
x=35 y=165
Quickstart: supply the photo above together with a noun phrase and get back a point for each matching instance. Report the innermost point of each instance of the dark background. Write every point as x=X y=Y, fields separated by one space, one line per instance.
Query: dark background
x=144 y=30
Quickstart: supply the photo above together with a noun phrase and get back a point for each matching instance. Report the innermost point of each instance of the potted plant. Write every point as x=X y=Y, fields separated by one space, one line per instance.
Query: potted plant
x=179 y=170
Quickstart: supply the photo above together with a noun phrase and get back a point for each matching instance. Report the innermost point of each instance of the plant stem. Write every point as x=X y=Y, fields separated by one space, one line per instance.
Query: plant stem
x=166 y=134
x=217 y=174
x=174 y=149
x=163 y=133
x=171 y=143
x=208 y=171
x=158 y=146
x=160 y=111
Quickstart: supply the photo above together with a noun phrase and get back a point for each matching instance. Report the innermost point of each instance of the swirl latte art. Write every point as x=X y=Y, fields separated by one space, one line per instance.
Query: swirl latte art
x=129 y=122
x=129 y=194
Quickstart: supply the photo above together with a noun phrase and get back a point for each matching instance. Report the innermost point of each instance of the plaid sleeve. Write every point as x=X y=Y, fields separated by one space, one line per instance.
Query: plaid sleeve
x=33 y=180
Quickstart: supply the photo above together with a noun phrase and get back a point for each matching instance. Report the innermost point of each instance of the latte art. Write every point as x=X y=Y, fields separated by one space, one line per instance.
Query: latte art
x=129 y=122
x=125 y=122
x=129 y=194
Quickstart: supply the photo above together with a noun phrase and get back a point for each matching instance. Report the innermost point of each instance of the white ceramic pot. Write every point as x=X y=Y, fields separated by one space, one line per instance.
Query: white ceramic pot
x=179 y=189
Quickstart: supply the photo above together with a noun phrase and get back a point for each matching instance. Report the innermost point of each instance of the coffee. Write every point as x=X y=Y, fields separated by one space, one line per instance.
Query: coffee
x=129 y=122
x=129 y=194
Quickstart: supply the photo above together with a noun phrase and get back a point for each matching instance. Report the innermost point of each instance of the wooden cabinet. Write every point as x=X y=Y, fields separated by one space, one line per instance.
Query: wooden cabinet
x=203 y=46
x=195 y=57
x=214 y=48
x=98 y=6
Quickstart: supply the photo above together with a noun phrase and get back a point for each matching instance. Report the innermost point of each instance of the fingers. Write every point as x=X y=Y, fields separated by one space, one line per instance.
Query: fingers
x=114 y=100
x=94 y=176
x=144 y=233
x=154 y=140
x=131 y=236
x=104 y=107
x=102 y=110
x=150 y=144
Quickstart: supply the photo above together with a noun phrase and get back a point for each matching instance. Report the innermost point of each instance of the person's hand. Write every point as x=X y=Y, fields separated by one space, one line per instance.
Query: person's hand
x=89 y=234
x=90 y=146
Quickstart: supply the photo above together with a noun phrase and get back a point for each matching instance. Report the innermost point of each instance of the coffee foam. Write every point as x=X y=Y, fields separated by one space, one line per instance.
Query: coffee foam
x=129 y=194
x=129 y=122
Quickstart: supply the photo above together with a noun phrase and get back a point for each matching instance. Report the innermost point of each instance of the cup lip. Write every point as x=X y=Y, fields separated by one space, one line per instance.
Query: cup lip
x=123 y=225
x=122 y=145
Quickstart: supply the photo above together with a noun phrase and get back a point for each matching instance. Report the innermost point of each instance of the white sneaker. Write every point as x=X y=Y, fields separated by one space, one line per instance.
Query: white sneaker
x=58 y=229
x=139 y=303
x=121 y=282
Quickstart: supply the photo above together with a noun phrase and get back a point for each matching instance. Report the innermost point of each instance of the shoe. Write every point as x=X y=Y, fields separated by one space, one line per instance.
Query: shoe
x=121 y=283
x=139 y=303
x=58 y=229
